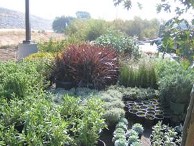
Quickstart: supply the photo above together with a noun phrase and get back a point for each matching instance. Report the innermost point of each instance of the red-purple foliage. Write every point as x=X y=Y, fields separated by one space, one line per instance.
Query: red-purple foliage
x=87 y=65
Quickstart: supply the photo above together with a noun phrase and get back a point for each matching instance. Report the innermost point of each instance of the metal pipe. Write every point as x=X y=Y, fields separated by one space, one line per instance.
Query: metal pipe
x=27 y=22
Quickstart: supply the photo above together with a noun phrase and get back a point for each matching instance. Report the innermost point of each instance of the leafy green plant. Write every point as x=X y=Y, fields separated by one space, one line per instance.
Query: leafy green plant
x=138 y=93
x=136 y=144
x=32 y=121
x=21 y=79
x=177 y=37
x=163 y=134
x=113 y=115
x=42 y=122
x=92 y=123
x=113 y=104
x=175 y=84
x=87 y=66
x=120 y=42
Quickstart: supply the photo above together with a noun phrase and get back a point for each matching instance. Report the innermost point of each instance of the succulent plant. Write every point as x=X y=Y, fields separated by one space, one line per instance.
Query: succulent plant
x=122 y=125
x=121 y=142
x=124 y=120
x=130 y=133
x=138 y=128
x=119 y=130
x=133 y=138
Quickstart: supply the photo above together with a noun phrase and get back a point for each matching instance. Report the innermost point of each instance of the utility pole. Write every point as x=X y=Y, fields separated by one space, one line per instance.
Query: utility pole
x=27 y=47
x=27 y=22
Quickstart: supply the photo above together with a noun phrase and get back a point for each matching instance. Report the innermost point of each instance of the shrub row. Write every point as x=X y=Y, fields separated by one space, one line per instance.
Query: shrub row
x=36 y=120
x=21 y=79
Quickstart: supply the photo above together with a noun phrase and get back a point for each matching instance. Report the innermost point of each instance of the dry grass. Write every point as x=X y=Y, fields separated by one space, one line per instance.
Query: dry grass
x=12 y=37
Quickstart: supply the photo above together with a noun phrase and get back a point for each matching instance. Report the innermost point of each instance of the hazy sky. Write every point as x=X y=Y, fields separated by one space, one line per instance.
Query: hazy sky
x=97 y=8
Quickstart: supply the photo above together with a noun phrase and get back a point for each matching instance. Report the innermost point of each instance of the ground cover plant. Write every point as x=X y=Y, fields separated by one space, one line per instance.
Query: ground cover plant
x=36 y=120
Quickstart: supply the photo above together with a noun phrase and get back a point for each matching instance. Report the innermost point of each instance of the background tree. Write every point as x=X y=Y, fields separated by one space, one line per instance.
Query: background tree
x=164 y=5
x=83 y=15
x=60 y=23
x=138 y=27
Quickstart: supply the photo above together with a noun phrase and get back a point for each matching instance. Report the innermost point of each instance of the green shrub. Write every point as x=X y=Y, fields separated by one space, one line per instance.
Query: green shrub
x=87 y=66
x=36 y=120
x=176 y=88
x=85 y=119
x=32 y=121
x=87 y=30
x=120 y=42
x=175 y=84
x=21 y=79
x=55 y=46
x=92 y=123
x=113 y=115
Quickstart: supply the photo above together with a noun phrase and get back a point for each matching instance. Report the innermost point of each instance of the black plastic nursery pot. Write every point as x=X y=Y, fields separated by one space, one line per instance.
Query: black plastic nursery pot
x=19 y=126
x=177 y=108
x=106 y=137
x=65 y=85
x=101 y=143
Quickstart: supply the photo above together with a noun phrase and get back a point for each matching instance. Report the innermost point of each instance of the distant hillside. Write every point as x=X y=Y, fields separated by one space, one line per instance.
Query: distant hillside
x=10 y=19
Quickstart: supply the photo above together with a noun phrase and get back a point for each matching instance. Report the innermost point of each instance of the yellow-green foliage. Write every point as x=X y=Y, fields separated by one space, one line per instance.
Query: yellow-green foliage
x=40 y=55
x=55 y=46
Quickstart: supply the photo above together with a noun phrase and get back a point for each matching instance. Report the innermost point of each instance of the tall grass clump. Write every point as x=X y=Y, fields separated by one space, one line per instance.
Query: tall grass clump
x=86 y=65
x=142 y=75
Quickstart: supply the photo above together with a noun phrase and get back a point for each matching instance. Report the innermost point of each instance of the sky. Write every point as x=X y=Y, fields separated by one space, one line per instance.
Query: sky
x=99 y=9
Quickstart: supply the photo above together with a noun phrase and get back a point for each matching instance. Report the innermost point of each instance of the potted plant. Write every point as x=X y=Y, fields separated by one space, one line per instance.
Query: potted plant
x=175 y=91
x=138 y=128
x=86 y=65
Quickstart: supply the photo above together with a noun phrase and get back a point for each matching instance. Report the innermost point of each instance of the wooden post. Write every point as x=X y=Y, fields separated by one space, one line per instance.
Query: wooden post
x=188 y=129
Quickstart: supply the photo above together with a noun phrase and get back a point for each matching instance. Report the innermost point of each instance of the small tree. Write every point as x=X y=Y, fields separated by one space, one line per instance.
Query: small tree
x=60 y=23
x=83 y=15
